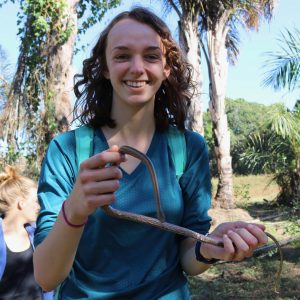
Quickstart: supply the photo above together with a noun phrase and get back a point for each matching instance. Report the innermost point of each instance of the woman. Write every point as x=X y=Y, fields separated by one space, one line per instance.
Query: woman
x=133 y=87
x=19 y=207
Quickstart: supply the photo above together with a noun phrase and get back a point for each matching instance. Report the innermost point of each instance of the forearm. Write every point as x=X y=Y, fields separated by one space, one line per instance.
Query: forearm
x=54 y=257
x=188 y=260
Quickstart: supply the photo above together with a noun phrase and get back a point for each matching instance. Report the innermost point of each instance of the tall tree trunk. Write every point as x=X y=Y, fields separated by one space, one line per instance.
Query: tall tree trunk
x=189 y=42
x=14 y=107
x=290 y=190
x=218 y=65
x=59 y=75
x=60 y=72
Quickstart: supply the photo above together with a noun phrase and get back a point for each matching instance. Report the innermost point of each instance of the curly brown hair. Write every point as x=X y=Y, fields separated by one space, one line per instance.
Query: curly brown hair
x=94 y=91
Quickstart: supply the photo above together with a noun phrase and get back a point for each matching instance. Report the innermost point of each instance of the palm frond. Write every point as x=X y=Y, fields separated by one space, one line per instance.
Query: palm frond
x=232 y=43
x=283 y=122
x=284 y=66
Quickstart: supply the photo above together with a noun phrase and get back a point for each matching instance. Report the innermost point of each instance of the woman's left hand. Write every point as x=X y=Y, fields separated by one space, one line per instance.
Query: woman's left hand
x=240 y=239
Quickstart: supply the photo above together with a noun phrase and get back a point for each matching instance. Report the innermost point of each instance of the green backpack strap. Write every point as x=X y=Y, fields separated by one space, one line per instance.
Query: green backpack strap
x=84 y=144
x=84 y=136
x=176 y=141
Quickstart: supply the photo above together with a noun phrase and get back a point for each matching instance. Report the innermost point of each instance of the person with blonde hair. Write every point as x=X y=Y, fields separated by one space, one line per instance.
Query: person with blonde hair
x=19 y=208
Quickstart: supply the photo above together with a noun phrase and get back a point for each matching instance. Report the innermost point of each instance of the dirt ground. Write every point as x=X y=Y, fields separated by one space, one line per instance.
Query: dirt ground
x=255 y=277
x=220 y=215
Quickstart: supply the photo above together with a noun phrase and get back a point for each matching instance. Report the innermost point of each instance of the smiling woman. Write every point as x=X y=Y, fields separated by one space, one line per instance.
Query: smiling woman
x=135 y=70
x=134 y=90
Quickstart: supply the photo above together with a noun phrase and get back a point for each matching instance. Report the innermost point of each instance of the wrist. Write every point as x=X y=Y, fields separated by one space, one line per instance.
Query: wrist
x=204 y=251
x=70 y=219
x=200 y=257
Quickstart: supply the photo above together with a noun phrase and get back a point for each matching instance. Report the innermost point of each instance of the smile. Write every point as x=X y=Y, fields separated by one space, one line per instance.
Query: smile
x=136 y=83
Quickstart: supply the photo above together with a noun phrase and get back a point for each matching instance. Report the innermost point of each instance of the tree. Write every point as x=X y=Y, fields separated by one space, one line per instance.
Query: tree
x=217 y=33
x=284 y=66
x=284 y=72
x=217 y=23
x=275 y=148
x=188 y=14
x=5 y=78
x=38 y=105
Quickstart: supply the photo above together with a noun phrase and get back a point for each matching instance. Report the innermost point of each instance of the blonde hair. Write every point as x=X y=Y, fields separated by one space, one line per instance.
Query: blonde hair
x=13 y=186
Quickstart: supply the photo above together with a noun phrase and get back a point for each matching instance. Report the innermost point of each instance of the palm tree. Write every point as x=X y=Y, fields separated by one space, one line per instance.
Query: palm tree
x=284 y=66
x=275 y=148
x=284 y=72
x=188 y=13
x=219 y=36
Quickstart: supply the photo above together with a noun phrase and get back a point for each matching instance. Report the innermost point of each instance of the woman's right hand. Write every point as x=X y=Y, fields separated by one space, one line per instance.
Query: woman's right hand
x=97 y=180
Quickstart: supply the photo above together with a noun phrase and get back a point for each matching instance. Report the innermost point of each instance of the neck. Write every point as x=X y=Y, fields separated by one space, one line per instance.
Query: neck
x=134 y=125
x=15 y=235
x=13 y=223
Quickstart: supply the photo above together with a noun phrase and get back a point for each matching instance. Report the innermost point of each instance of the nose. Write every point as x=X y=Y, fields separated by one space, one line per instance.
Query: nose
x=37 y=205
x=137 y=65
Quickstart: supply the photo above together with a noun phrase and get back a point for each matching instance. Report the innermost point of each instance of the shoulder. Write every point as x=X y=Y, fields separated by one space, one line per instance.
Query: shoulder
x=64 y=138
x=197 y=150
x=64 y=144
x=60 y=155
x=194 y=140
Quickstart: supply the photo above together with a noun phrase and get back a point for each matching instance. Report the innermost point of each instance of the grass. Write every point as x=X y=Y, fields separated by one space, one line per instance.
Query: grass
x=254 y=278
x=252 y=188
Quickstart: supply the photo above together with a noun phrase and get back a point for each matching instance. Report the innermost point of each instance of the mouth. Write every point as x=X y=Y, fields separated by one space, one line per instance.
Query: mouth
x=136 y=84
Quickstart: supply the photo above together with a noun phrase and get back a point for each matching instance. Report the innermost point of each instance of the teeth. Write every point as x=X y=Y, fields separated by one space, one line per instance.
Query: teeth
x=136 y=83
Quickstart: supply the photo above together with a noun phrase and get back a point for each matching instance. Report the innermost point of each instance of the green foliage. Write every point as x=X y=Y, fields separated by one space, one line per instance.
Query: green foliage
x=244 y=118
x=96 y=10
x=275 y=148
x=293 y=228
x=5 y=78
x=12 y=155
x=284 y=66
x=242 y=194
x=24 y=157
x=43 y=27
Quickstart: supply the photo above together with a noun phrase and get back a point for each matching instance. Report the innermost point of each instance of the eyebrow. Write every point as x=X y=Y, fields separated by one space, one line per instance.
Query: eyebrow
x=150 y=48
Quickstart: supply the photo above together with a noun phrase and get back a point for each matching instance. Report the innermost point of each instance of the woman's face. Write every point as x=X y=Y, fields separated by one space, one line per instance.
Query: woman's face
x=31 y=206
x=136 y=64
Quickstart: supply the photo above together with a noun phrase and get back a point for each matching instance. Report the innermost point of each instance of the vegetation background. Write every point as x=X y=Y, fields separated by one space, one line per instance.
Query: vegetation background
x=254 y=147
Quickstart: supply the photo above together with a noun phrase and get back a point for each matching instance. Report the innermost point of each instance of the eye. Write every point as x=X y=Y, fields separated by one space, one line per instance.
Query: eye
x=122 y=57
x=152 y=57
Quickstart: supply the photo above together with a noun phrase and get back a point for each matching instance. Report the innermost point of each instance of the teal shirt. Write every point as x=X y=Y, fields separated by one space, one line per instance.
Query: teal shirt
x=119 y=259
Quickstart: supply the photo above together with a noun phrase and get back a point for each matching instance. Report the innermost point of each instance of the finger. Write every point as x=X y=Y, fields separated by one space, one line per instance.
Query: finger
x=96 y=175
x=258 y=232
x=229 y=249
x=249 y=238
x=261 y=226
x=102 y=187
x=241 y=247
x=100 y=160
x=94 y=201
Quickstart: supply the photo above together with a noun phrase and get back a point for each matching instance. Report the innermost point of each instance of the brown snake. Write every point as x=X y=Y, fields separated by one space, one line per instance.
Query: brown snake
x=160 y=221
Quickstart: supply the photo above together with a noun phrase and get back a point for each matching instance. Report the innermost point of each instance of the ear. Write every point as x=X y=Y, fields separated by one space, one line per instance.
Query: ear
x=21 y=204
x=106 y=74
x=167 y=71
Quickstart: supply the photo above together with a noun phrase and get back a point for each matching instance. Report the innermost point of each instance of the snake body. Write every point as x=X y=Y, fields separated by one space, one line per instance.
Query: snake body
x=160 y=221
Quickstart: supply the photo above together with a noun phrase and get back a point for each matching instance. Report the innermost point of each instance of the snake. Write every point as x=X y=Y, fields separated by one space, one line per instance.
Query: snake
x=160 y=221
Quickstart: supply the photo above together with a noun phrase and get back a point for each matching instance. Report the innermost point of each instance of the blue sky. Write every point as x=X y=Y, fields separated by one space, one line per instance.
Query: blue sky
x=244 y=79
